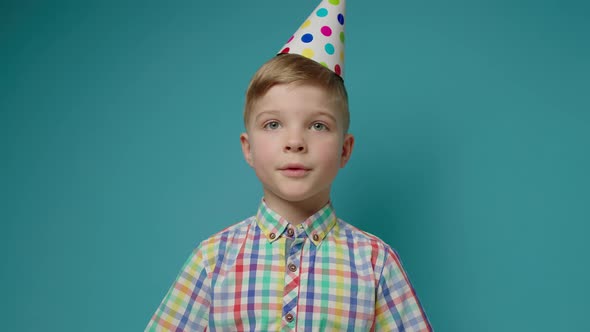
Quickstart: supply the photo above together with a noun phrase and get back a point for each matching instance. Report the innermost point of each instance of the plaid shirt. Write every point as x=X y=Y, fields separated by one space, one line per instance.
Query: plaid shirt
x=265 y=274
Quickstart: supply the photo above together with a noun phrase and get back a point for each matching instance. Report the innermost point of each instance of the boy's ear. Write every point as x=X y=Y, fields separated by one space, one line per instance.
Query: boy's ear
x=246 y=149
x=347 y=146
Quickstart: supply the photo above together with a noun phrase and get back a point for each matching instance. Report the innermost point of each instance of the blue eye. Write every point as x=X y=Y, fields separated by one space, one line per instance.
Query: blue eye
x=319 y=126
x=272 y=125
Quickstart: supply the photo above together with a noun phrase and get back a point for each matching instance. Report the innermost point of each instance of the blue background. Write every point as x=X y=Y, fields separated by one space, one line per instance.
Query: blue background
x=119 y=147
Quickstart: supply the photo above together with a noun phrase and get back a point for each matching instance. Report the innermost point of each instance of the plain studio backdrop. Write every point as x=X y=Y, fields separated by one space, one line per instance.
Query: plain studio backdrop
x=119 y=147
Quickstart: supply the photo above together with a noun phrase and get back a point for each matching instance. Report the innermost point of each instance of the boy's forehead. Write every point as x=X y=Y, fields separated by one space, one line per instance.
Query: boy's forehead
x=297 y=99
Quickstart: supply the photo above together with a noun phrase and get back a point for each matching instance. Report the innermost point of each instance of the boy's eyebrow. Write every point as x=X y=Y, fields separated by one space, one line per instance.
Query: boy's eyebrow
x=272 y=112
x=327 y=114
x=265 y=112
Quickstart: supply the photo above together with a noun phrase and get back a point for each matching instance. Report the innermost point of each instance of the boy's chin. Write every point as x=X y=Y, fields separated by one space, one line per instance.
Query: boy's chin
x=299 y=196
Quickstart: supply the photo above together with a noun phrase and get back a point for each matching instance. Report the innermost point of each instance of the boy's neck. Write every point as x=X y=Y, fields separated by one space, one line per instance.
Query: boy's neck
x=296 y=212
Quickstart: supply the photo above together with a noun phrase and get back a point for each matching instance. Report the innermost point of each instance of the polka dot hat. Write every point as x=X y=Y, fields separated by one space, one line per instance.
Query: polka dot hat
x=321 y=36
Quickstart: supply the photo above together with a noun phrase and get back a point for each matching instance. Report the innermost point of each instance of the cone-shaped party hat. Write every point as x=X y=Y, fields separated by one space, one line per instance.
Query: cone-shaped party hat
x=321 y=36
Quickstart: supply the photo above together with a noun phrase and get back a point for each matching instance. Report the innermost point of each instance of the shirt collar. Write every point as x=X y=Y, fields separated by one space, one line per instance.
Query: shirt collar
x=316 y=227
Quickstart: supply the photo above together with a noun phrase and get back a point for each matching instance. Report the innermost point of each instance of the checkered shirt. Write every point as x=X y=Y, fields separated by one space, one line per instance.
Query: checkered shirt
x=264 y=274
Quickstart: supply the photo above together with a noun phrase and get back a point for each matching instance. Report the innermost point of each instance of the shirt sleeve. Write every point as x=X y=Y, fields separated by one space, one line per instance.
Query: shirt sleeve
x=186 y=305
x=397 y=307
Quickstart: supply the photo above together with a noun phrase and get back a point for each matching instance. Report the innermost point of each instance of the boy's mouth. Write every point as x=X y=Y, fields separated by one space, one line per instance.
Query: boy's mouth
x=294 y=170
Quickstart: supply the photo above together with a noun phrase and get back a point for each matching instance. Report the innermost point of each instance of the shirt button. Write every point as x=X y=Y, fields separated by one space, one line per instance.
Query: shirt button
x=289 y=317
x=290 y=232
x=272 y=236
x=292 y=267
x=316 y=237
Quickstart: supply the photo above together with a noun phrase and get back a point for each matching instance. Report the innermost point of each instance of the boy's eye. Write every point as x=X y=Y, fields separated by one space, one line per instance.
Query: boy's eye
x=272 y=125
x=319 y=126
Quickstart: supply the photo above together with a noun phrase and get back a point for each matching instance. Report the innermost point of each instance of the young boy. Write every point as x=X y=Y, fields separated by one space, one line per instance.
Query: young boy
x=295 y=265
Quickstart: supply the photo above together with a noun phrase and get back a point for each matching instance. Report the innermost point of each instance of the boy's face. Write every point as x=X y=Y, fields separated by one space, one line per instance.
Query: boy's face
x=296 y=144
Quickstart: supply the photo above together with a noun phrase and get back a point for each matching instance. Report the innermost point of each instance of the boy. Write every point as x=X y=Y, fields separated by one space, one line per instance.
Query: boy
x=295 y=265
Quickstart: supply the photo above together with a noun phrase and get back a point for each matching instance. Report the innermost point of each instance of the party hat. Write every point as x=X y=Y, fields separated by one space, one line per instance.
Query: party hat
x=321 y=36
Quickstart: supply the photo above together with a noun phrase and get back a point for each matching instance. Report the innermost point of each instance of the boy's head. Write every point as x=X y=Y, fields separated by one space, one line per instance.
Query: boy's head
x=296 y=118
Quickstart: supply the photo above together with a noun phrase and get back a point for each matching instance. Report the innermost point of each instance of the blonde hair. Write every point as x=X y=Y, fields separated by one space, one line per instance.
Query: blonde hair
x=294 y=68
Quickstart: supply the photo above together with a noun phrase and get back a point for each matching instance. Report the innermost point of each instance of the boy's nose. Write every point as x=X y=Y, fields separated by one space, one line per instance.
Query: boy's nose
x=295 y=145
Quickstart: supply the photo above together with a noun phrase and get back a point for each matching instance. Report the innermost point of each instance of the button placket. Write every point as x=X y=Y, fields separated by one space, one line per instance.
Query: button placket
x=291 y=291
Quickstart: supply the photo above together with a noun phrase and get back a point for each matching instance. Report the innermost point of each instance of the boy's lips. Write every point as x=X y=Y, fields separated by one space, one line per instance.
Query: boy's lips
x=294 y=170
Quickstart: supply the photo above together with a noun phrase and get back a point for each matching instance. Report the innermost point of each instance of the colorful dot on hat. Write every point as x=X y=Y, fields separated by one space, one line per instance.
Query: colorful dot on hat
x=342 y=36
x=324 y=64
x=341 y=19
x=305 y=24
x=326 y=31
x=337 y=69
x=334 y=2
x=329 y=48
x=285 y=50
x=288 y=41
x=322 y=12
x=308 y=53
x=307 y=38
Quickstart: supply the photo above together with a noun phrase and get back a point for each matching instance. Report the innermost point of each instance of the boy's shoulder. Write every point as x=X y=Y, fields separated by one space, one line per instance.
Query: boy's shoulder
x=231 y=233
x=226 y=241
x=360 y=236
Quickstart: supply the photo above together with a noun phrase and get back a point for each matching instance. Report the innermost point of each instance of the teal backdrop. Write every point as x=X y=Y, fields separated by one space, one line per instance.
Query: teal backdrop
x=119 y=138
